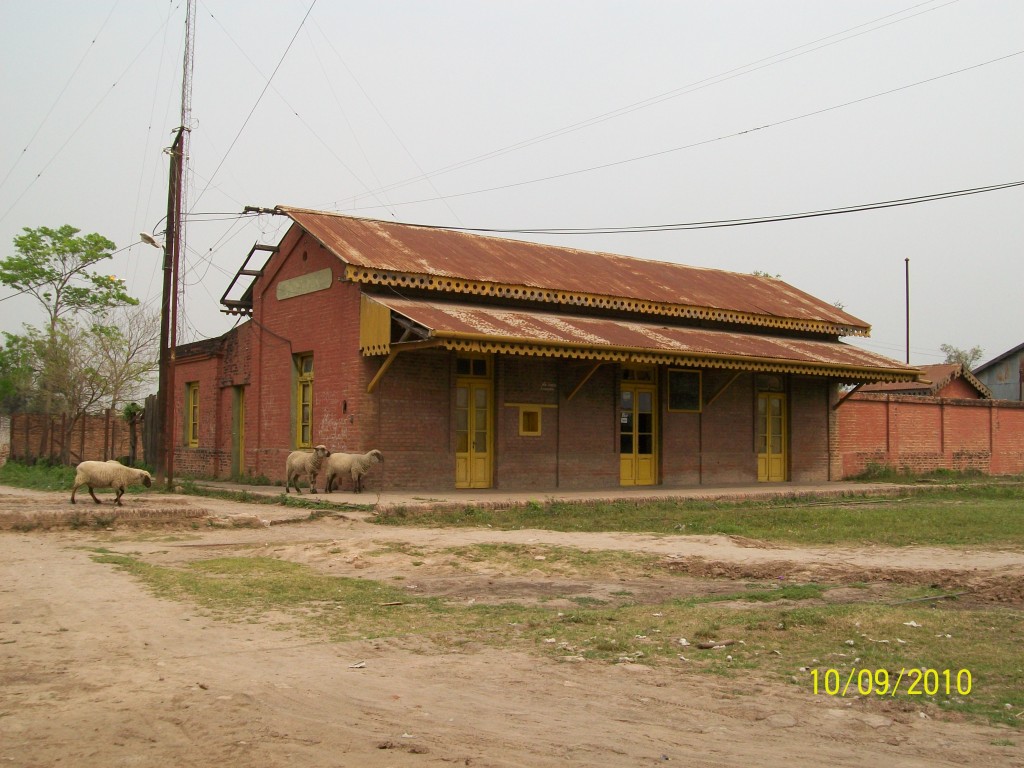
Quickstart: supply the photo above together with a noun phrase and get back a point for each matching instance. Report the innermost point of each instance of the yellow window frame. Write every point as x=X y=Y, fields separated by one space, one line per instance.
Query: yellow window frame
x=192 y=423
x=473 y=365
x=529 y=420
x=304 y=400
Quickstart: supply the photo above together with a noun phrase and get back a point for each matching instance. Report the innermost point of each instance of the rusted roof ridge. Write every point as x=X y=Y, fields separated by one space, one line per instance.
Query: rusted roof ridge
x=457 y=285
x=442 y=255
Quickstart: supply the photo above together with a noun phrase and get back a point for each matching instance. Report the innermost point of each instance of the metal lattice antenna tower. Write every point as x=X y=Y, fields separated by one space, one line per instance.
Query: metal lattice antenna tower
x=186 y=125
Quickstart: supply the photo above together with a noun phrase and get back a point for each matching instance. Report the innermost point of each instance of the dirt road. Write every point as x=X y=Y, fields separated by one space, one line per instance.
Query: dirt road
x=96 y=671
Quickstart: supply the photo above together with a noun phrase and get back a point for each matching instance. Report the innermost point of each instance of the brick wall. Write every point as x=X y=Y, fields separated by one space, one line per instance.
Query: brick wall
x=5 y=439
x=410 y=414
x=728 y=454
x=410 y=420
x=809 y=430
x=588 y=428
x=94 y=437
x=922 y=434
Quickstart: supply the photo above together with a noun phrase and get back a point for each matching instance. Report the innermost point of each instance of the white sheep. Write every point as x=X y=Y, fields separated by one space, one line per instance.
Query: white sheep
x=108 y=474
x=301 y=463
x=357 y=464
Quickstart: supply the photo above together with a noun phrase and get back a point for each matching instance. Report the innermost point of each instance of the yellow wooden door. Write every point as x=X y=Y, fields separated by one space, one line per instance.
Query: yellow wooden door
x=771 y=437
x=473 y=429
x=638 y=460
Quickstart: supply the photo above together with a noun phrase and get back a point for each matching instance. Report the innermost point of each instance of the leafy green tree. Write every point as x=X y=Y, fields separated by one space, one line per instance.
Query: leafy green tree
x=90 y=354
x=966 y=357
x=58 y=268
x=17 y=373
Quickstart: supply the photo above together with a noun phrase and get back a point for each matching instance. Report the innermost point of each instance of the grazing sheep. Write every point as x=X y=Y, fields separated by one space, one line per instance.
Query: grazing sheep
x=357 y=464
x=108 y=474
x=301 y=463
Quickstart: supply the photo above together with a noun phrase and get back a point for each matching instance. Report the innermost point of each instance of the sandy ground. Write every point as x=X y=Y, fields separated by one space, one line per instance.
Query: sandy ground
x=96 y=671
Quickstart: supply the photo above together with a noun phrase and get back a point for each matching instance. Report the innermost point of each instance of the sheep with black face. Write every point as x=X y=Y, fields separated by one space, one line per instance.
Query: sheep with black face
x=301 y=463
x=108 y=474
x=354 y=464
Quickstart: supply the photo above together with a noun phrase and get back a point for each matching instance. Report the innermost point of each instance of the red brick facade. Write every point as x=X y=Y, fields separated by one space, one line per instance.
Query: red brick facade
x=922 y=434
x=410 y=414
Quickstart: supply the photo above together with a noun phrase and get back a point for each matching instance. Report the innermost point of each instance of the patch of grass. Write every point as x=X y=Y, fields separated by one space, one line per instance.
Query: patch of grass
x=552 y=560
x=783 y=642
x=984 y=513
x=787 y=592
x=887 y=473
x=305 y=501
x=40 y=476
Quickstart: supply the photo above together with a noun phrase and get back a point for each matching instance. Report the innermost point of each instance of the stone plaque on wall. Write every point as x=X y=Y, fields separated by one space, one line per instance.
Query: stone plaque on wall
x=303 y=284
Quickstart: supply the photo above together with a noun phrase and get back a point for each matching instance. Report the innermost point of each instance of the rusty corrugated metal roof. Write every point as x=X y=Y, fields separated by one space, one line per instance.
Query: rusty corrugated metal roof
x=525 y=331
x=935 y=378
x=420 y=250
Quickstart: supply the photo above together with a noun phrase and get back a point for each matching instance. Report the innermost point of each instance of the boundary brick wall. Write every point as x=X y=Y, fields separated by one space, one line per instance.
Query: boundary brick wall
x=923 y=434
x=35 y=436
x=5 y=439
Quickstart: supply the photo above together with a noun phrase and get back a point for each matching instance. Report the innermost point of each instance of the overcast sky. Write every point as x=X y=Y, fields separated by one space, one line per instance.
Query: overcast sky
x=548 y=114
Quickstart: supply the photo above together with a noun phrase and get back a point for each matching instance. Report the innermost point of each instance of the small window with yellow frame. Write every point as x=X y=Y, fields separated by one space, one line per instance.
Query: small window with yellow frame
x=192 y=418
x=529 y=420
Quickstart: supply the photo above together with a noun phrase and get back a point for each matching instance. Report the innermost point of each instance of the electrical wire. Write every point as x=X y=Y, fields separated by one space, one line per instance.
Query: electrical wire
x=82 y=123
x=295 y=112
x=704 y=142
x=714 y=224
x=254 y=106
x=60 y=95
x=755 y=66
x=372 y=103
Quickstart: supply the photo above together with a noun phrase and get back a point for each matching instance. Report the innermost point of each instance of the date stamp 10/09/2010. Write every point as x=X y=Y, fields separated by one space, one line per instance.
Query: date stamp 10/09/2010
x=882 y=682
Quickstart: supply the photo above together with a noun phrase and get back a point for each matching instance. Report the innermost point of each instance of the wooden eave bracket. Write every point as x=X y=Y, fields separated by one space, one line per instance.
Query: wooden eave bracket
x=722 y=389
x=584 y=380
x=845 y=397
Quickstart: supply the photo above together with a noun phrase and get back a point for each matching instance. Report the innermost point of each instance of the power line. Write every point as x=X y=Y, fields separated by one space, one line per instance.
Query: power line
x=295 y=112
x=60 y=95
x=746 y=69
x=253 y=110
x=82 y=123
x=714 y=224
x=704 y=142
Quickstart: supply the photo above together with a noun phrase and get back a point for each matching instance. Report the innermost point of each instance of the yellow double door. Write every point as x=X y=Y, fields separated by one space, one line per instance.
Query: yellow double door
x=771 y=437
x=473 y=433
x=638 y=460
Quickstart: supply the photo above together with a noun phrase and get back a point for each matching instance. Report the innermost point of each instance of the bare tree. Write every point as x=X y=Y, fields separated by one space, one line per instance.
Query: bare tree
x=88 y=368
x=127 y=352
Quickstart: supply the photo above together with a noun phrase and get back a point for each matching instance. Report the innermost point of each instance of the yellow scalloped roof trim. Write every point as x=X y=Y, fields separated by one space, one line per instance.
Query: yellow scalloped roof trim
x=364 y=275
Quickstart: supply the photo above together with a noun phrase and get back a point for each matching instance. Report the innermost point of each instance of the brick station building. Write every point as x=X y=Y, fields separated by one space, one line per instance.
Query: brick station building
x=480 y=362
